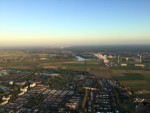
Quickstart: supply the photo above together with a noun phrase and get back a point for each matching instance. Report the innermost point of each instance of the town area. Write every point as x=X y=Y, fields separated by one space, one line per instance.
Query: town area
x=62 y=91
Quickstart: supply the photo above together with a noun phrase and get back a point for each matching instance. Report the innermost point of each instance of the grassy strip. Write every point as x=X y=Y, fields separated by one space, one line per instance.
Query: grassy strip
x=130 y=68
x=79 y=64
x=84 y=100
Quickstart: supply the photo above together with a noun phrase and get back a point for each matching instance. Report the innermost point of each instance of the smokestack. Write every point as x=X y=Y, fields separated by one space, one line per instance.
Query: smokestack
x=141 y=58
x=118 y=59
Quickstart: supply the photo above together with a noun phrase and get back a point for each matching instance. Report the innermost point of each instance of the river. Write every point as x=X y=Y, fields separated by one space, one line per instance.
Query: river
x=81 y=59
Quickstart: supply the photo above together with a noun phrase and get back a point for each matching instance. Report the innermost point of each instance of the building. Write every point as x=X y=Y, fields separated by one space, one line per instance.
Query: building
x=6 y=98
x=32 y=85
x=3 y=103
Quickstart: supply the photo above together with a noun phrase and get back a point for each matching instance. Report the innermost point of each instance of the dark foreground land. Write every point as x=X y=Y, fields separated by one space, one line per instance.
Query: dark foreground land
x=61 y=90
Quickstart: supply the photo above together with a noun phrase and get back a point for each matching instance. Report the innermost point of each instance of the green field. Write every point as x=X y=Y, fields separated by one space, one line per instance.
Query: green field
x=134 y=80
x=12 y=53
x=136 y=77
x=131 y=76
x=79 y=64
x=130 y=68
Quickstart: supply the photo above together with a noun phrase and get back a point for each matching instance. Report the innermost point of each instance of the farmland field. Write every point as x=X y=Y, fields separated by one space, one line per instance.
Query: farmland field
x=130 y=76
x=12 y=53
x=135 y=80
x=130 y=68
x=135 y=77
x=79 y=64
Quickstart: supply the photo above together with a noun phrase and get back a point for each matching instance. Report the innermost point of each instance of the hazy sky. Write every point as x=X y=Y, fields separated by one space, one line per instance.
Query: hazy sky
x=74 y=22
